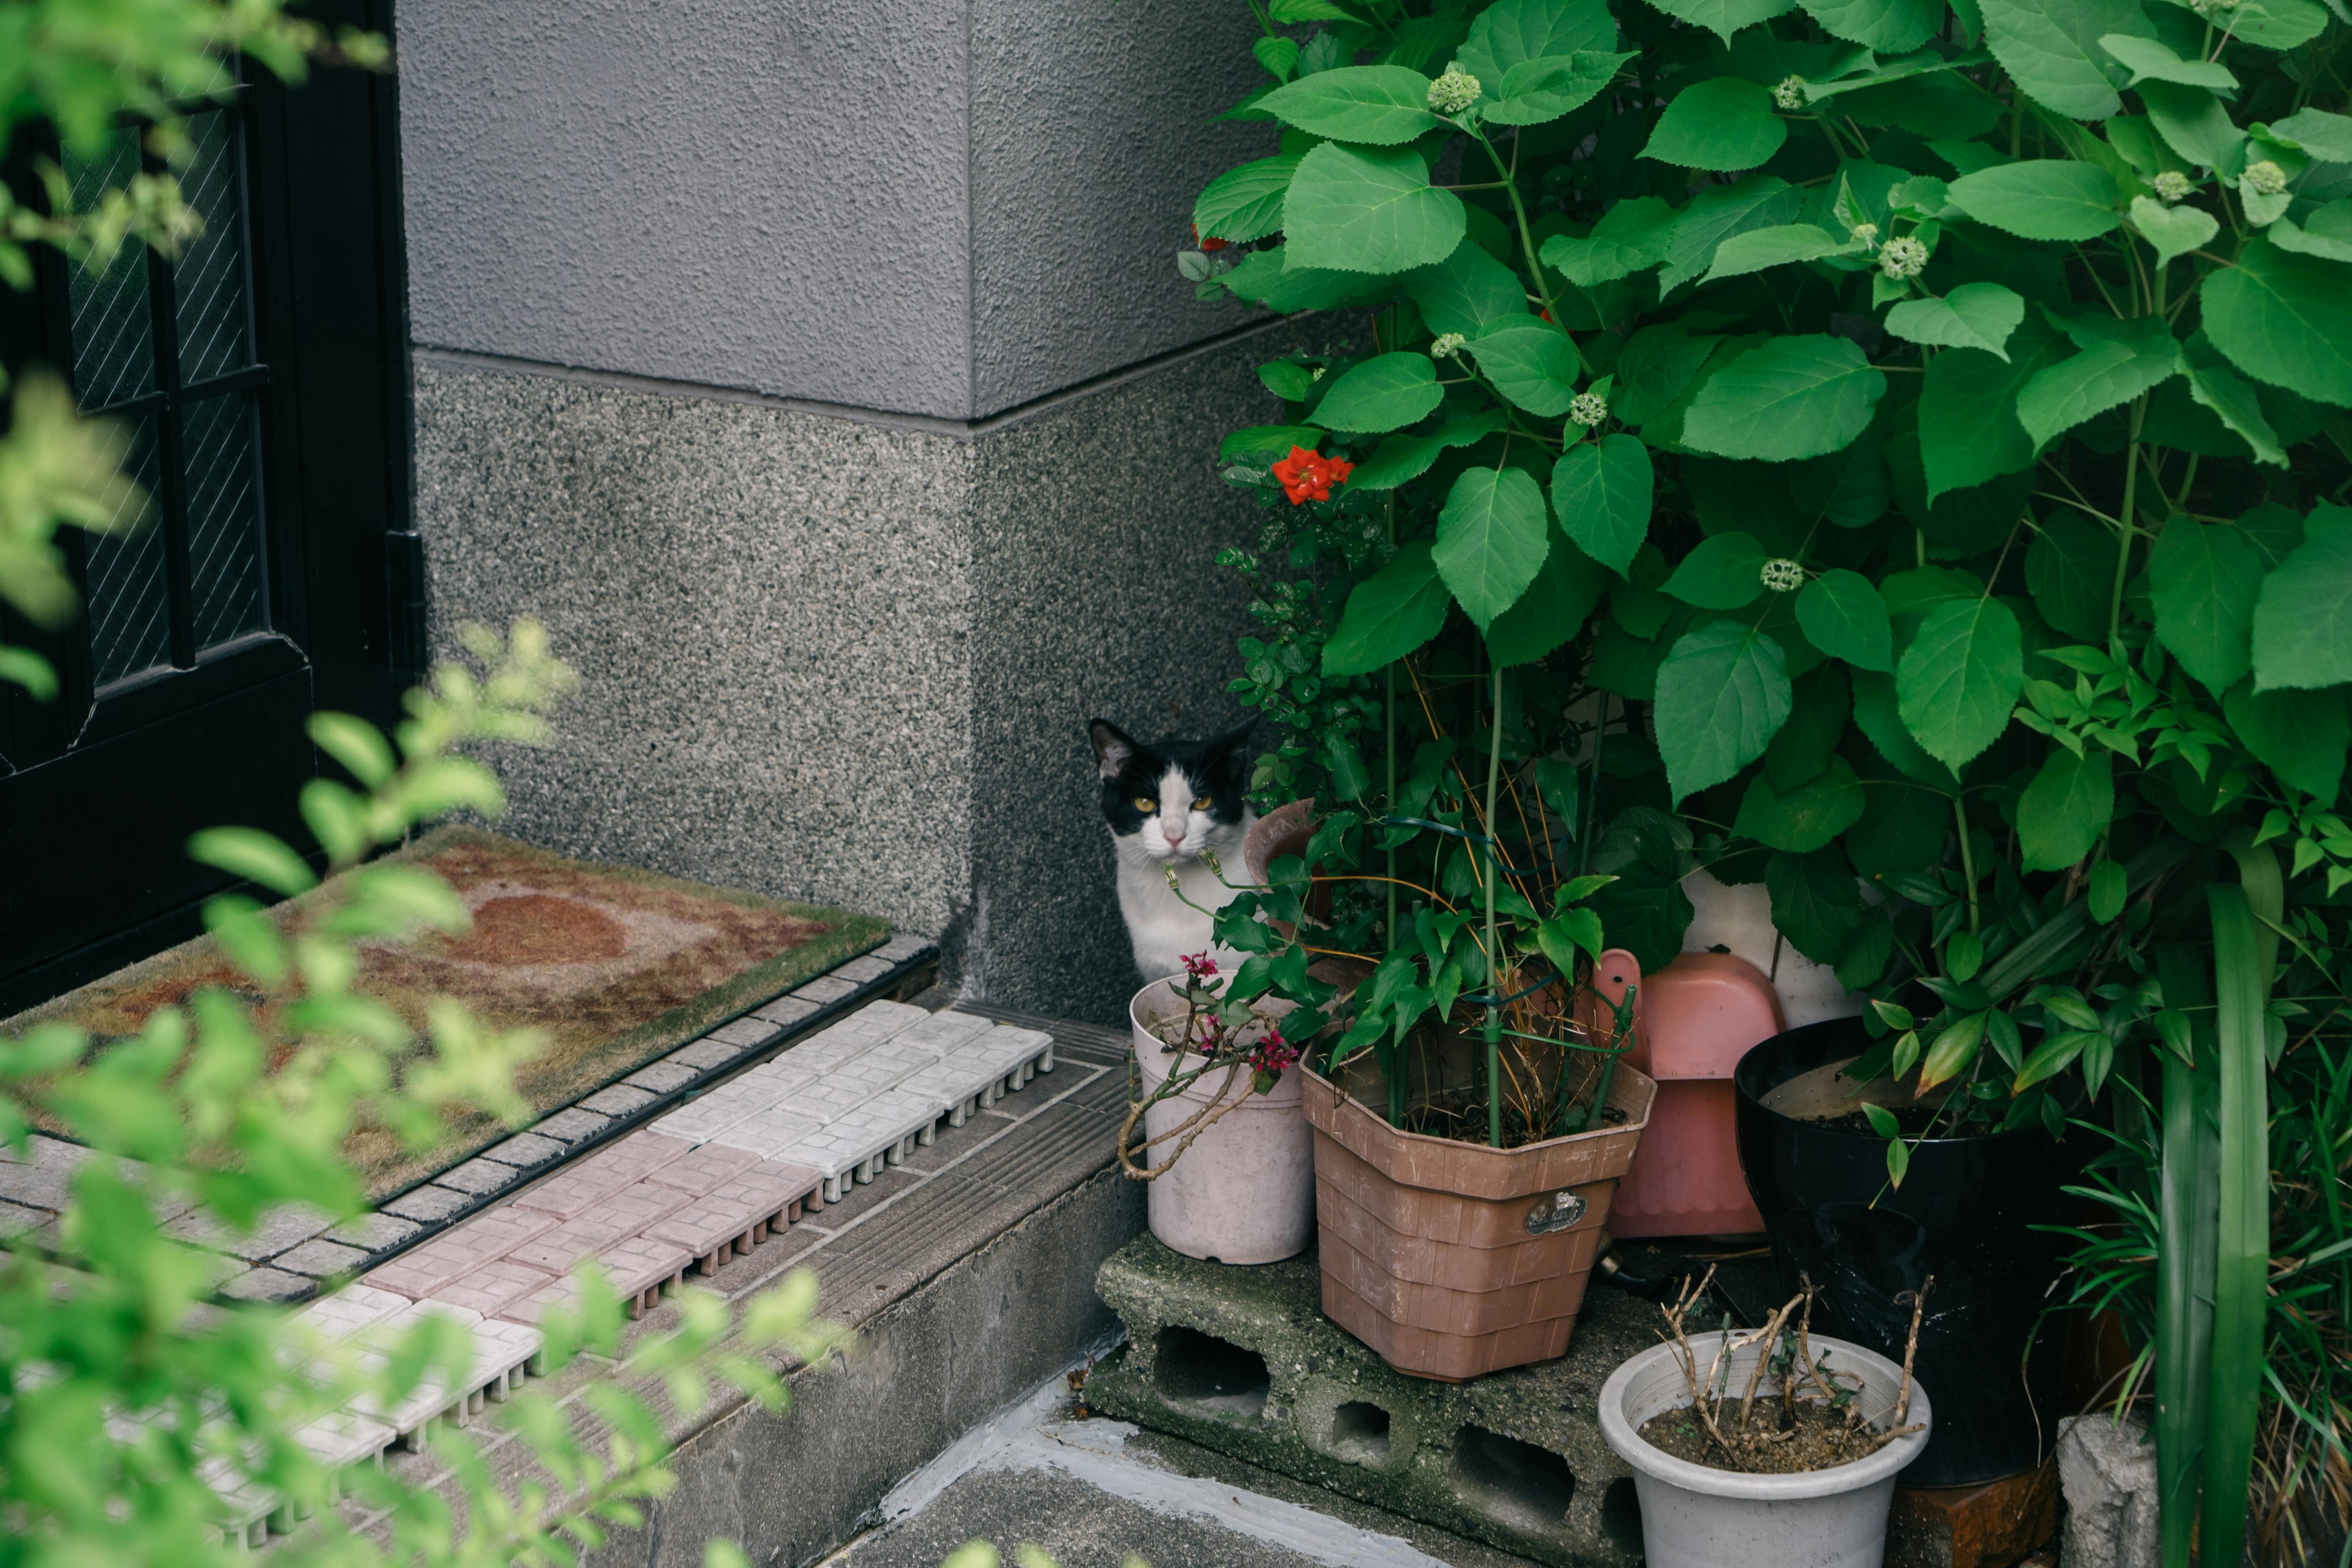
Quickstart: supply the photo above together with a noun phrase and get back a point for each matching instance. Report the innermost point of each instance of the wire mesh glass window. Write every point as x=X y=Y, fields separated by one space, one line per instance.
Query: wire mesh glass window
x=165 y=346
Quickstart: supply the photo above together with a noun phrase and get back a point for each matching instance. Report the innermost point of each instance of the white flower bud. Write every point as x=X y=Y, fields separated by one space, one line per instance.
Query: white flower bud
x=1588 y=409
x=1447 y=345
x=1455 y=91
x=2172 y=186
x=2264 y=178
x=1902 y=258
x=1790 y=96
x=1781 y=575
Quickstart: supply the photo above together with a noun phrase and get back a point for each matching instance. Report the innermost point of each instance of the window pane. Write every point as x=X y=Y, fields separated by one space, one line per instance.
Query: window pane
x=224 y=517
x=209 y=278
x=113 y=337
x=130 y=606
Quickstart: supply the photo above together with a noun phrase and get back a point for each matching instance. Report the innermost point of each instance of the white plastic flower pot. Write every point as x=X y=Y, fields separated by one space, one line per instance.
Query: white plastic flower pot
x=1244 y=1190
x=1693 y=1516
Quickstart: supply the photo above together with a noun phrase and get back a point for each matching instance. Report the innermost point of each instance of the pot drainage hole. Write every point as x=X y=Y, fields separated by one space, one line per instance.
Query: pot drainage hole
x=1515 y=1484
x=1209 y=1373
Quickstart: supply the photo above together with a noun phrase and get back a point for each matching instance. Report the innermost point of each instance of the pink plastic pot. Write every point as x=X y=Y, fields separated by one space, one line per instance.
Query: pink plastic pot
x=1692 y=1022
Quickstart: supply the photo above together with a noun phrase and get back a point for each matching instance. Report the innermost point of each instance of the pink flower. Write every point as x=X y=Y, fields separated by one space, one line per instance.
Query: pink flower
x=1200 y=965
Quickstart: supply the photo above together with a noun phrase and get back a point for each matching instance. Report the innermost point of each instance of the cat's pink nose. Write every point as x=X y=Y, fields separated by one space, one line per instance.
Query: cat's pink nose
x=1175 y=837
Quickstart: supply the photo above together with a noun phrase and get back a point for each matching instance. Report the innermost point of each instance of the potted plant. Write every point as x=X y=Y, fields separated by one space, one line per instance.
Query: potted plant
x=1893 y=454
x=1775 y=1448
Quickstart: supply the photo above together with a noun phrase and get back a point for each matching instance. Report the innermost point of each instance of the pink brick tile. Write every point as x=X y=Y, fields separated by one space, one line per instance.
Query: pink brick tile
x=749 y=1205
x=698 y=1173
x=459 y=1250
x=572 y=1191
x=637 y=1268
x=624 y=1214
x=490 y=1288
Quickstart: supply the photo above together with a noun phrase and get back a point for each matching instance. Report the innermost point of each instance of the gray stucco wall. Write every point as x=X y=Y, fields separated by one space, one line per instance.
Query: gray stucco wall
x=943 y=207
x=829 y=661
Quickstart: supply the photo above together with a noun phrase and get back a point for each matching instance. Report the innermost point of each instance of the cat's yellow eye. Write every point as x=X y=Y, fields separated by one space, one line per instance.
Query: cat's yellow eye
x=1202 y=803
x=1144 y=804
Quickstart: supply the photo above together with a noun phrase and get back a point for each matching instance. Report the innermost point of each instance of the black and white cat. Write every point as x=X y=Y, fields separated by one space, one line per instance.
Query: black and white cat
x=1165 y=804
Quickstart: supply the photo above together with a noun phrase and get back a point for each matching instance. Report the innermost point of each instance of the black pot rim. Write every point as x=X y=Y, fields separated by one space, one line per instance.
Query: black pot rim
x=1824 y=1129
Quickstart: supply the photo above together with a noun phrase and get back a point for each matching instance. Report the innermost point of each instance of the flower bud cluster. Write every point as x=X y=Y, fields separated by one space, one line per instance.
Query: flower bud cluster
x=1781 y=575
x=1447 y=345
x=2264 y=178
x=1902 y=259
x=2172 y=186
x=1588 y=408
x=1790 y=96
x=1455 y=91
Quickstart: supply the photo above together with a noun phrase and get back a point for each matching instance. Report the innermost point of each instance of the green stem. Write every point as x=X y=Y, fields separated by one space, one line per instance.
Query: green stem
x=1396 y=1063
x=1967 y=863
x=1493 y=879
x=1527 y=246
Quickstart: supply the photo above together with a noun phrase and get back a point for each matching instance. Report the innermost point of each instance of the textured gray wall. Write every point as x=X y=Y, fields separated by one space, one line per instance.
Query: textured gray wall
x=943 y=207
x=828 y=660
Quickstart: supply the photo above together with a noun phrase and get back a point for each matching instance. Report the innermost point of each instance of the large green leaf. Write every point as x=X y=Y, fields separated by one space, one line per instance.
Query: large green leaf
x=1804 y=819
x=1351 y=211
x=1887 y=27
x=2301 y=736
x=1384 y=392
x=1403 y=458
x=1552 y=610
x=2326 y=137
x=1389 y=615
x=1467 y=292
x=1514 y=32
x=1722 y=694
x=1644 y=910
x=2193 y=123
x=1246 y=204
x=2062 y=813
x=2151 y=59
x=1491 y=539
x=1724 y=123
x=1972 y=316
x=1538 y=91
x=2069 y=568
x=2302 y=619
x=1842 y=615
x=2101 y=377
x=1761 y=247
x=1903 y=827
x=1790 y=397
x=1816 y=903
x=2277 y=24
x=1717 y=213
x=2173 y=231
x=2237 y=406
x=1631 y=234
x=1876 y=714
x=2051 y=49
x=2284 y=319
x=1382 y=105
x=1532 y=362
x=1957 y=681
x=1601 y=492
x=2040 y=198
x=1719 y=573
x=1725 y=17
x=2204 y=580
x=1266 y=277
x=1968 y=431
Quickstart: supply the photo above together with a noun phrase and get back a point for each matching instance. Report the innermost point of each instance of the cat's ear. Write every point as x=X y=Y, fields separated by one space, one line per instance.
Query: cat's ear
x=1223 y=748
x=1112 y=748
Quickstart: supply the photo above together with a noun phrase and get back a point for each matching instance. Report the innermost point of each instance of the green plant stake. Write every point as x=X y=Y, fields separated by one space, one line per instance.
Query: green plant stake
x=1494 y=876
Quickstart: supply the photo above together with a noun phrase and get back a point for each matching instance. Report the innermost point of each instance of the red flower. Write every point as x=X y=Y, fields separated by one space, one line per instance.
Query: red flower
x=1306 y=475
x=1200 y=965
x=1212 y=243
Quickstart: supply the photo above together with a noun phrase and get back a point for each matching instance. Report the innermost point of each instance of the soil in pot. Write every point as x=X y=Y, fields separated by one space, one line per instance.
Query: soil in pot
x=1804 y=1437
x=1968 y=1214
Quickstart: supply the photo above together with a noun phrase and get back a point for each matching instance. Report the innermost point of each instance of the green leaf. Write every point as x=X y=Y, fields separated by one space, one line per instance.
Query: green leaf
x=1951 y=1051
x=1280 y=57
x=1959 y=677
x=1972 y=316
x=1820 y=703
x=1290 y=13
x=1467 y=292
x=1265 y=277
x=1877 y=714
x=1725 y=17
x=1389 y=615
x=2054 y=1055
x=1267 y=441
x=1379 y=105
x=1842 y=615
x=1536 y=91
x=2173 y=231
x=1789 y=398
x=1968 y=431
x=2204 y=580
x=2062 y=813
x=2303 y=618
x=1246 y=204
x=1287 y=379
x=1514 y=32
x=1383 y=392
x=1532 y=362
x=1368 y=212
x=1631 y=236
x=2108 y=888
x=1882 y=1122
x=1552 y=610
x=1601 y=492
x=2284 y=319
x=1718 y=574
x=2151 y=59
x=2193 y=123
x=2051 y=49
x=1805 y=818
x=1865 y=956
x=23 y=666
x=2070 y=569
x=1403 y=458
x=1717 y=213
x=258 y=856
x=2040 y=198
x=1491 y=539
x=1722 y=694
x=2300 y=735
x=1644 y=910
x=1758 y=249
x=1723 y=123
x=1902 y=829
x=2277 y=24
x=2101 y=377
x=358 y=745
x=2326 y=137
x=1887 y=27
x=1815 y=903
x=1654 y=369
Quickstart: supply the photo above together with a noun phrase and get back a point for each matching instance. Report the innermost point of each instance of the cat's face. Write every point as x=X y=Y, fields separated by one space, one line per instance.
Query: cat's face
x=1168 y=801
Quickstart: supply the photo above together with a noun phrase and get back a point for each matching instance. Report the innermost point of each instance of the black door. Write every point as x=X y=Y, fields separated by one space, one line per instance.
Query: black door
x=261 y=377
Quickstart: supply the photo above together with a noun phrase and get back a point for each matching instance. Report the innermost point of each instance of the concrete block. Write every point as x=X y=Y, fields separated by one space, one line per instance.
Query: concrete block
x=704 y=1054
x=572 y=1190
x=375 y=1233
x=526 y=1151
x=768 y=1134
x=267 y=1285
x=864 y=970
x=490 y=1289
x=703 y=1117
x=428 y=1204
x=321 y=1259
x=662 y=1076
x=618 y=1099
x=900 y=949
x=696 y=1173
x=785 y=1011
x=350 y=1311
x=827 y=988
x=573 y=1126
x=288 y=1225
x=622 y=1214
x=1243 y=1360
x=459 y=1250
x=744 y=1034
x=480 y=1177
x=2108 y=1474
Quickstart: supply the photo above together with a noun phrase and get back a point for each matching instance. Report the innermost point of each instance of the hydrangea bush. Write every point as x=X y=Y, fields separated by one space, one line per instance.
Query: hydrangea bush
x=1890 y=451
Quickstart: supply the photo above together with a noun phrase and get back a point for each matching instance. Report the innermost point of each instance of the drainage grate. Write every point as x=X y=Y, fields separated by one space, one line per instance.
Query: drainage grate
x=1210 y=1374
x=1515 y=1483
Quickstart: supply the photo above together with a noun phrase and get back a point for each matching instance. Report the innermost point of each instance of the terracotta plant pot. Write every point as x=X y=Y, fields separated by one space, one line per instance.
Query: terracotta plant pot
x=1244 y=1190
x=1455 y=1259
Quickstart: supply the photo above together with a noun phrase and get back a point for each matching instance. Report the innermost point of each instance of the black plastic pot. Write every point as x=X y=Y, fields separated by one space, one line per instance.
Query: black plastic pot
x=1965 y=1213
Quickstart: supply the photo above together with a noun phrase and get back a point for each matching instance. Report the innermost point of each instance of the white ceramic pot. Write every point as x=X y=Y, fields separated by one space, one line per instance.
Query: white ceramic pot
x=1244 y=1190
x=1693 y=1516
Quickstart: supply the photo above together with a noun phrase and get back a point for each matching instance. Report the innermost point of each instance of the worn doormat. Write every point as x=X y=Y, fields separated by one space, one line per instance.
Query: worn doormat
x=614 y=966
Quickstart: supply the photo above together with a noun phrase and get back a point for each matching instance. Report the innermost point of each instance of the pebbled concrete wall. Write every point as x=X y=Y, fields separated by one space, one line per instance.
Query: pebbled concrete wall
x=941 y=207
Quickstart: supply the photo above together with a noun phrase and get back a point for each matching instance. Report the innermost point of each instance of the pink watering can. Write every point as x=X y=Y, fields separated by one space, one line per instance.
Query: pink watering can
x=1692 y=1023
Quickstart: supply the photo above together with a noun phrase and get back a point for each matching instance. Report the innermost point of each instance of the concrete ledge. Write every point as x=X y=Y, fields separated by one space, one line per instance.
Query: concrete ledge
x=1242 y=1361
